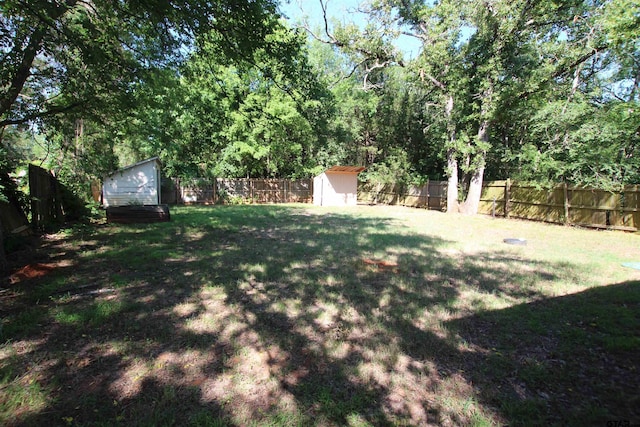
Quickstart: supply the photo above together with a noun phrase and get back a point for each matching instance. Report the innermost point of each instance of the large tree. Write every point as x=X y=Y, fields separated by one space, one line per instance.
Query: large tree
x=74 y=70
x=261 y=114
x=65 y=55
x=490 y=65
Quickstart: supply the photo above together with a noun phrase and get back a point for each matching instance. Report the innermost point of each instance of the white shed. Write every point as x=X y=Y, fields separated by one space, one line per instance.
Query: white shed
x=137 y=184
x=337 y=186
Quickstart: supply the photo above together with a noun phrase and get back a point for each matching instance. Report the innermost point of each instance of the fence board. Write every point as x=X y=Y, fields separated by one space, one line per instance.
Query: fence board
x=560 y=204
x=241 y=190
x=432 y=195
x=46 y=203
x=492 y=199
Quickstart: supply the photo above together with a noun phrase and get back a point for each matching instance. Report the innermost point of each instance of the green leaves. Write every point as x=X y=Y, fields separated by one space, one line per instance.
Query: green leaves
x=583 y=144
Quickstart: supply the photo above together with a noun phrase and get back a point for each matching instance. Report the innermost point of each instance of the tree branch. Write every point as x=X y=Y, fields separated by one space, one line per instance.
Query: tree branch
x=28 y=55
x=41 y=114
x=565 y=69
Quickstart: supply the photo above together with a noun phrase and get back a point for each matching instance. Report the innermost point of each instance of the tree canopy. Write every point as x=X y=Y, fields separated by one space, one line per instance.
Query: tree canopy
x=539 y=91
x=516 y=89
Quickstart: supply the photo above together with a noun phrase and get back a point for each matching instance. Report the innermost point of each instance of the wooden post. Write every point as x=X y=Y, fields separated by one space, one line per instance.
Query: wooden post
x=566 y=203
x=35 y=201
x=57 y=200
x=507 y=197
x=427 y=193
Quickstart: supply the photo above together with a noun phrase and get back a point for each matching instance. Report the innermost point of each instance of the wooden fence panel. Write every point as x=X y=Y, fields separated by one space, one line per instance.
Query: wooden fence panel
x=432 y=195
x=438 y=195
x=387 y=194
x=417 y=197
x=45 y=193
x=233 y=188
x=241 y=190
x=629 y=215
x=492 y=199
x=168 y=191
x=586 y=209
x=534 y=203
x=197 y=190
x=300 y=191
x=268 y=191
x=560 y=204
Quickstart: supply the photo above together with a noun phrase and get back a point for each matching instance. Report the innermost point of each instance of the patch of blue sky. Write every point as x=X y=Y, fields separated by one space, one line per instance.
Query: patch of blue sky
x=345 y=12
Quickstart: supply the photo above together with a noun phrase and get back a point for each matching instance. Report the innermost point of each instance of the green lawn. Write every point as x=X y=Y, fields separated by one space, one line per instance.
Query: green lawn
x=298 y=315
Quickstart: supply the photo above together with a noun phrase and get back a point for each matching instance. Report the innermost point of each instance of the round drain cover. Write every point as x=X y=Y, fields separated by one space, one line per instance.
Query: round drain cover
x=512 y=241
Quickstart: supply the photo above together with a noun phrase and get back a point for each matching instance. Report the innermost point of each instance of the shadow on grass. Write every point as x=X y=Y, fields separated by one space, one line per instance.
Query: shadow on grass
x=268 y=315
x=570 y=359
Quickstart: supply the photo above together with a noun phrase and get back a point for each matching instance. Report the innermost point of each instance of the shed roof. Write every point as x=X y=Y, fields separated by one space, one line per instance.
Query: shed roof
x=345 y=169
x=141 y=162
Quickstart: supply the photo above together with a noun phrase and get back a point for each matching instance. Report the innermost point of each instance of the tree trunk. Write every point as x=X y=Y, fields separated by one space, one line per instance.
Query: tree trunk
x=26 y=56
x=452 y=161
x=472 y=202
x=452 y=181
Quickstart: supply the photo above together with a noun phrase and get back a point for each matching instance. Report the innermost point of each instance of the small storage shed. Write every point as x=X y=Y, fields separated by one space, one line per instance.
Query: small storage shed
x=337 y=186
x=137 y=184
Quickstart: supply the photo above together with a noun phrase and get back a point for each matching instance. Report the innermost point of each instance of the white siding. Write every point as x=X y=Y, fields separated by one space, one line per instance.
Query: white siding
x=137 y=185
x=335 y=189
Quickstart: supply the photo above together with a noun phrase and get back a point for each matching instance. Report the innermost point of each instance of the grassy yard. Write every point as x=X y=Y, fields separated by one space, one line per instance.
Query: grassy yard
x=297 y=315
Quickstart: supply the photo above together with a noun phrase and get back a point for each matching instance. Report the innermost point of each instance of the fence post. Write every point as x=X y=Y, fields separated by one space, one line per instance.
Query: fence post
x=565 y=189
x=427 y=193
x=507 y=197
x=57 y=200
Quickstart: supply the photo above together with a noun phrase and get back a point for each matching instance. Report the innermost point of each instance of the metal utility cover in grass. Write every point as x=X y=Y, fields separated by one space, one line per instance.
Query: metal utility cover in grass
x=635 y=265
x=337 y=186
x=515 y=241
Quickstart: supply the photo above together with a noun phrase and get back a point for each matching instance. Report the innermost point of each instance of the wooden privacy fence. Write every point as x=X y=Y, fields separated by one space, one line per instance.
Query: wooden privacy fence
x=244 y=190
x=564 y=204
x=561 y=204
x=46 y=198
x=52 y=203
x=432 y=195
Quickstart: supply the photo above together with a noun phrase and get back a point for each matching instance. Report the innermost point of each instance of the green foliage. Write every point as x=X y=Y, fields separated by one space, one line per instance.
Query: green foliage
x=263 y=114
x=583 y=144
x=87 y=56
x=11 y=186
x=553 y=85
x=538 y=91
